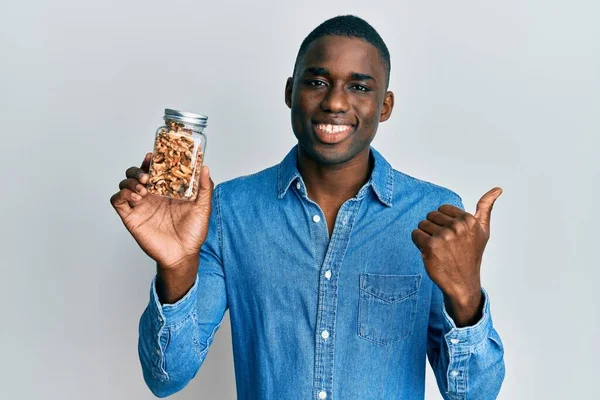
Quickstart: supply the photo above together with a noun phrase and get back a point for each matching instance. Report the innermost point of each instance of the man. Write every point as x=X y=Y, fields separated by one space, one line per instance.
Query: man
x=340 y=273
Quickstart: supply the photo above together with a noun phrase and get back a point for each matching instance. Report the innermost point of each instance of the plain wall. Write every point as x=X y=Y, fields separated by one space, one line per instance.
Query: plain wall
x=487 y=94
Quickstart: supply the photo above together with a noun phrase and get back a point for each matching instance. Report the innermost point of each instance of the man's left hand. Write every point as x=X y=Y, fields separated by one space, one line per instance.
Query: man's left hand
x=452 y=242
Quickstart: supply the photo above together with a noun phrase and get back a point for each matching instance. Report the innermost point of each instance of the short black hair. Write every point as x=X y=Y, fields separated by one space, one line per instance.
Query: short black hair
x=353 y=27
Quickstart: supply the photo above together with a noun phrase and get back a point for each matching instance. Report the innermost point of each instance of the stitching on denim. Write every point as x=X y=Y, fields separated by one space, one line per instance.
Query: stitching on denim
x=395 y=301
x=177 y=326
x=158 y=368
x=343 y=246
x=365 y=287
x=219 y=224
x=279 y=191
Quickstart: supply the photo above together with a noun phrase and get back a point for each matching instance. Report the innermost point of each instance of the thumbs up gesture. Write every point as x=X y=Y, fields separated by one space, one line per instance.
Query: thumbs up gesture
x=452 y=242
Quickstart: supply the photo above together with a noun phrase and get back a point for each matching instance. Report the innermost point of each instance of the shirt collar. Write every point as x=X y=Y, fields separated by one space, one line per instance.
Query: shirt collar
x=382 y=176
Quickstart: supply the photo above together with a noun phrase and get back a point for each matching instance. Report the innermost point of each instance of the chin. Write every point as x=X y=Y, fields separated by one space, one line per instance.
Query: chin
x=325 y=154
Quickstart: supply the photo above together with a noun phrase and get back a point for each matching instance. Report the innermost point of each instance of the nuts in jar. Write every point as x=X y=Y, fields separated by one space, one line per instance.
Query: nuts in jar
x=177 y=158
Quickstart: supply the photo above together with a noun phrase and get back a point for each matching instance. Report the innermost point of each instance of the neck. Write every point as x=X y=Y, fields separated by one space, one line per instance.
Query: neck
x=334 y=183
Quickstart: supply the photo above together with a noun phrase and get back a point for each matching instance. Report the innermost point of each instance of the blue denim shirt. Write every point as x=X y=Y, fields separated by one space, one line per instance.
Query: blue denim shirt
x=313 y=317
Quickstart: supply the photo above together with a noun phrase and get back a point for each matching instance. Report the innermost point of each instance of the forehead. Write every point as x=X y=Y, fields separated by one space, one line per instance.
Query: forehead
x=343 y=55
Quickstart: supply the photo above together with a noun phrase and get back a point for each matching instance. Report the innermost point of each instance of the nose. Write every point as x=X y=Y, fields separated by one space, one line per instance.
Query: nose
x=336 y=100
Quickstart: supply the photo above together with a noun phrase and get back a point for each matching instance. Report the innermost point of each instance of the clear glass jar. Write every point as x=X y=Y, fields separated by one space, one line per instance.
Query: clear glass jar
x=177 y=158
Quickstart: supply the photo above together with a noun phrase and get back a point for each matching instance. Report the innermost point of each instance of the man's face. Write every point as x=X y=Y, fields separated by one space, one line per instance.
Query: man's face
x=337 y=98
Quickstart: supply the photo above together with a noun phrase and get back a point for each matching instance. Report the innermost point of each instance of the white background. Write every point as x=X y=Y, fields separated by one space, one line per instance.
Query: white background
x=487 y=94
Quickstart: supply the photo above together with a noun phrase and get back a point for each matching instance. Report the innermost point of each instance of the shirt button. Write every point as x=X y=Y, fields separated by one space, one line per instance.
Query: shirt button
x=328 y=274
x=454 y=341
x=316 y=218
x=454 y=373
x=298 y=185
x=325 y=334
x=322 y=394
x=158 y=351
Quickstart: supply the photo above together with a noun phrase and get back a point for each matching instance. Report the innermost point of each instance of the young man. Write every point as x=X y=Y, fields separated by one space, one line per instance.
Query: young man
x=340 y=273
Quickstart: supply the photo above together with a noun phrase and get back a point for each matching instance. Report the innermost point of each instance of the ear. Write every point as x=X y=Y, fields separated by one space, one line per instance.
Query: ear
x=288 y=92
x=388 y=106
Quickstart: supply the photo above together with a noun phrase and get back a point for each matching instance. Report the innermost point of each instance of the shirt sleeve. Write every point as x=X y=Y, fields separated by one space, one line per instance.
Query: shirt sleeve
x=174 y=339
x=468 y=362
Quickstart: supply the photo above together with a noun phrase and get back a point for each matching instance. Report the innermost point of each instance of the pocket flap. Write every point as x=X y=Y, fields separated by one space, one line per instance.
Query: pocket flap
x=390 y=288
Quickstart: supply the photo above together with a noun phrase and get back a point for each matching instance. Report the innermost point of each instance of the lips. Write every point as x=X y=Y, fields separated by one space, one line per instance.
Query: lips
x=332 y=133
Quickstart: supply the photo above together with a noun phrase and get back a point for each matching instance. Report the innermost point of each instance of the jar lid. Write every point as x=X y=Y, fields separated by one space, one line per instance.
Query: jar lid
x=186 y=117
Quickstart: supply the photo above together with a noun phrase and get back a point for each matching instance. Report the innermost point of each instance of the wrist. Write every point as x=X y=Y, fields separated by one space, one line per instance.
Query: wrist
x=174 y=282
x=466 y=309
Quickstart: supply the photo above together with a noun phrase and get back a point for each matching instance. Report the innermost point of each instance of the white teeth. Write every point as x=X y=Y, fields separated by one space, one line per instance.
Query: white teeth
x=333 y=128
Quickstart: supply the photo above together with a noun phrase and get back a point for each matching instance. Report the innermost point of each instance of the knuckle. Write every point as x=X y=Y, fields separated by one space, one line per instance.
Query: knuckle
x=445 y=235
x=458 y=226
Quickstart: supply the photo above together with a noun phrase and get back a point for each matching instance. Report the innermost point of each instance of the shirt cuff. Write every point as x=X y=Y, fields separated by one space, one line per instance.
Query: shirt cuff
x=172 y=314
x=466 y=337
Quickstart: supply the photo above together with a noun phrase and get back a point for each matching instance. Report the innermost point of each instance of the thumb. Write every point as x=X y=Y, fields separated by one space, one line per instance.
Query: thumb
x=206 y=187
x=483 y=212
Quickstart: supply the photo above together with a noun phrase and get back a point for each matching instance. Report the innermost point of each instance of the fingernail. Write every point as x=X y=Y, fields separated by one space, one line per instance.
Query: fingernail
x=136 y=196
x=139 y=188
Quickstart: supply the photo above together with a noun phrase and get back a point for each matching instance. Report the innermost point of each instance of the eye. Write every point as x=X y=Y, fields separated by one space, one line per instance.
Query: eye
x=315 y=83
x=360 y=88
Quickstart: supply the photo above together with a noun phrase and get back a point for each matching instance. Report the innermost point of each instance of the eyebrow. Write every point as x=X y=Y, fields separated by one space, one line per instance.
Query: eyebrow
x=355 y=76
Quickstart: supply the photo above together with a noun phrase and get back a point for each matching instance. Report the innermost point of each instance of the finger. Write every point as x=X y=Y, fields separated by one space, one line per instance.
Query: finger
x=134 y=185
x=483 y=212
x=146 y=163
x=451 y=210
x=123 y=201
x=420 y=239
x=439 y=218
x=206 y=185
x=429 y=227
x=137 y=174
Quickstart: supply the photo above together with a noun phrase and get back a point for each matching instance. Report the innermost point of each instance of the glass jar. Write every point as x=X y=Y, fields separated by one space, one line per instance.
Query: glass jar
x=177 y=157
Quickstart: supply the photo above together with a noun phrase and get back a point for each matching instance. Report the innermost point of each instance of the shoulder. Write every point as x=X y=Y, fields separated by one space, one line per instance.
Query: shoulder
x=407 y=185
x=260 y=183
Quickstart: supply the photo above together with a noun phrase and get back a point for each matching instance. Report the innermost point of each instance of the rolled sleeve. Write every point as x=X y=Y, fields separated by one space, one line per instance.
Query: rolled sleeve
x=467 y=337
x=172 y=314
x=475 y=366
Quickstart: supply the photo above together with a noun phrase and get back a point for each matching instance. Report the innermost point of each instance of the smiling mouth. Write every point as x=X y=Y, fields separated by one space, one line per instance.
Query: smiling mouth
x=332 y=133
x=329 y=128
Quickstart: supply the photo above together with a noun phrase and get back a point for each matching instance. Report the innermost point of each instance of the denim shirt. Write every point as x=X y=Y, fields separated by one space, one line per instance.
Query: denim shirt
x=351 y=316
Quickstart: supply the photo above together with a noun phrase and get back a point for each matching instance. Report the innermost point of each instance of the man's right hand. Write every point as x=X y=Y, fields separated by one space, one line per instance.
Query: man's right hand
x=170 y=231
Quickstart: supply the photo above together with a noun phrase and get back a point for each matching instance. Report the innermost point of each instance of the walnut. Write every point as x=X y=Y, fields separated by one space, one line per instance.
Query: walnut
x=176 y=162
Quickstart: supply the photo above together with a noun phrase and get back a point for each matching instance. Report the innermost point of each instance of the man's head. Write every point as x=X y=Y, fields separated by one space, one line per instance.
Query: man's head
x=338 y=92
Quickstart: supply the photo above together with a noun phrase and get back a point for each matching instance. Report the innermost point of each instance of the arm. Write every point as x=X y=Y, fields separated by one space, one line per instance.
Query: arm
x=467 y=361
x=463 y=348
x=174 y=339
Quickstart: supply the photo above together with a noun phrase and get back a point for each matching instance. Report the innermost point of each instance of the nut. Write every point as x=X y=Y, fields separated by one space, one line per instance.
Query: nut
x=176 y=163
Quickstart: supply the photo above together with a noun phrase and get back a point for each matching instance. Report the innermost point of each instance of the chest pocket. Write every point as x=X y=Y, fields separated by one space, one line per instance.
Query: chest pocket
x=387 y=307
